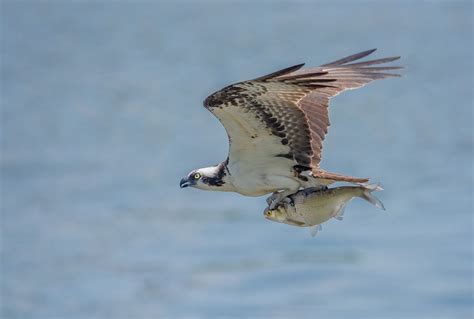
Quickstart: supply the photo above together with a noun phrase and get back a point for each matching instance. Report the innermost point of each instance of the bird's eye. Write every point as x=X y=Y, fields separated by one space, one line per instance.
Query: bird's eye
x=268 y=213
x=197 y=176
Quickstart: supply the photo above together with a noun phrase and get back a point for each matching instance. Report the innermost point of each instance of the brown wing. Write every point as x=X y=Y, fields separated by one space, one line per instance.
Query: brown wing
x=338 y=76
x=264 y=122
x=290 y=106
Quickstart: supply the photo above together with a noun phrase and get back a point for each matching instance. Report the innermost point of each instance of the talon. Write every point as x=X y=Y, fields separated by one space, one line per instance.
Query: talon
x=273 y=204
x=271 y=198
x=288 y=200
x=277 y=197
x=292 y=202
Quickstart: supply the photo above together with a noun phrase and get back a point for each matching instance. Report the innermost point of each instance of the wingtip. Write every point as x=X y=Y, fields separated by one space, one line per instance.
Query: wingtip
x=394 y=58
x=280 y=72
x=365 y=53
x=350 y=58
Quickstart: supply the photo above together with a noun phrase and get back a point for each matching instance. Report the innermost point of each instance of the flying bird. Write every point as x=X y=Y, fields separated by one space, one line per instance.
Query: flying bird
x=276 y=125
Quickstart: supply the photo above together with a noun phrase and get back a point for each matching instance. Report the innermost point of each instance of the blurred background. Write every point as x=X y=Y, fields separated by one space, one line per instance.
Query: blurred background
x=102 y=115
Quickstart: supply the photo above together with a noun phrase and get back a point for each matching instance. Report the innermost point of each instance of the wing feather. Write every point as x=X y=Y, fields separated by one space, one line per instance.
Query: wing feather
x=351 y=58
x=343 y=75
x=291 y=106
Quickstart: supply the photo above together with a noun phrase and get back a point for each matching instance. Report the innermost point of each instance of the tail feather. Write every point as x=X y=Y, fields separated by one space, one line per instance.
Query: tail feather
x=367 y=195
x=334 y=177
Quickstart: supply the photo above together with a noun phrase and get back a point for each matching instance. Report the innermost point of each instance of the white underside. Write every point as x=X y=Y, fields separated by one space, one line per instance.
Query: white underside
x=254 y=167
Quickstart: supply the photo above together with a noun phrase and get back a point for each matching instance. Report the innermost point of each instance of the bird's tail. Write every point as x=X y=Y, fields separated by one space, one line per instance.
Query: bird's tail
x=334 y=177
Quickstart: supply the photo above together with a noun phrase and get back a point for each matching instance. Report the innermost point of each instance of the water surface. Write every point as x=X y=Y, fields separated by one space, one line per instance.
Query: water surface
x=102 y=116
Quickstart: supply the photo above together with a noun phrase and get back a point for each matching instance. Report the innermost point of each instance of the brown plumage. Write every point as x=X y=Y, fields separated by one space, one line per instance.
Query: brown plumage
x=292 y=105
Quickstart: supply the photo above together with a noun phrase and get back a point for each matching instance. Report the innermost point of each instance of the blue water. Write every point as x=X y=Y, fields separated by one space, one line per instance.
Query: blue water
x=102 y=116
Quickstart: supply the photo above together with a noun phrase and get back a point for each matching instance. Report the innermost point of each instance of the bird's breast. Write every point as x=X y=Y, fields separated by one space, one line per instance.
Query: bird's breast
x=251 y=181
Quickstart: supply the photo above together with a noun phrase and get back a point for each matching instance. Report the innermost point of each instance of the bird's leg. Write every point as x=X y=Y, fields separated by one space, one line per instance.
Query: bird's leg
x=276 y=197
x=271 y=197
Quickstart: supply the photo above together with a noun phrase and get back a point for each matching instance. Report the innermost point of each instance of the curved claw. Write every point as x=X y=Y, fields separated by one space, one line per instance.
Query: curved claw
x=277 y=197
x=270 y=198
x=273 y=204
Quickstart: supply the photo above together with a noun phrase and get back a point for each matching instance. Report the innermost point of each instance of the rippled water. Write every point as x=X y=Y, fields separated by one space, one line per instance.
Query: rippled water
x=101 y=117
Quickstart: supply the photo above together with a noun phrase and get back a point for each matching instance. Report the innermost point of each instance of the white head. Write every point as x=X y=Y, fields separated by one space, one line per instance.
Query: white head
x=208 y=178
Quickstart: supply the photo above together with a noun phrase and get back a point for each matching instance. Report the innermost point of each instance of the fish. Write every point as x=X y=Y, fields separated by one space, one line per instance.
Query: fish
x=312 y=207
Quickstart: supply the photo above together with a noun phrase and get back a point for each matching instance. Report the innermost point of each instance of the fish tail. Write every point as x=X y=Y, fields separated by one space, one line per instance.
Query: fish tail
x=367 y=194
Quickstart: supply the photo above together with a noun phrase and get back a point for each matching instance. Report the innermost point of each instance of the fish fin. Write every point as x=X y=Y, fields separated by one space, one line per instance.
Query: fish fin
x=367 y=195
x=340 y=213
x=313 y=230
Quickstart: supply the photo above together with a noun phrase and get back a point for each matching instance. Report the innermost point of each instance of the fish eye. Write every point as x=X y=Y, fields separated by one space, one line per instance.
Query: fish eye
x=197 y=176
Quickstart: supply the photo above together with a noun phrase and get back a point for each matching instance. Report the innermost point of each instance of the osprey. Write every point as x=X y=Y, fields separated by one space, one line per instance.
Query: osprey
x=276 y=125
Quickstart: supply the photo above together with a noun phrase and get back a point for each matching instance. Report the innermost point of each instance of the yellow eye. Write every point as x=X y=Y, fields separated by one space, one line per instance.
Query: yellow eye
x=268 y=212
x=197 y=176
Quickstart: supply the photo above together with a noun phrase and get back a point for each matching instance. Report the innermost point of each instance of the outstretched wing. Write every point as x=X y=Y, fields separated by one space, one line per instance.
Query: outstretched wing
x=284 y=115
x=343 y=75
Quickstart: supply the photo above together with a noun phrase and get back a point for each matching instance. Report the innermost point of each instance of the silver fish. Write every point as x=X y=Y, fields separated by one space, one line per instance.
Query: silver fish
x=311 y=207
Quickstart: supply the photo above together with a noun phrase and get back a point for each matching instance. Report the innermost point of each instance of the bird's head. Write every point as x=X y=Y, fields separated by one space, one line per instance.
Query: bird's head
x=208 y=178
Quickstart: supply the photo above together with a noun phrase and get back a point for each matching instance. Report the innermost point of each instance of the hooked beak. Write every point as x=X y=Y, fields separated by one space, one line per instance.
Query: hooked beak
x=184 y=183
